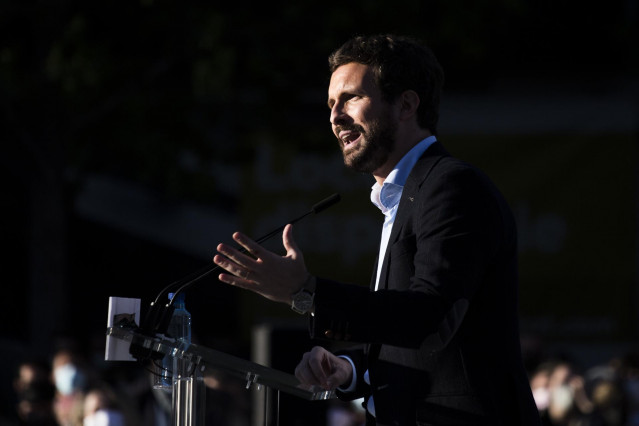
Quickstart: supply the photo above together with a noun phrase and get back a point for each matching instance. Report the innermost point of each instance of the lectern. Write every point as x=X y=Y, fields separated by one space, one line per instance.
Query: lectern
x=188 y=401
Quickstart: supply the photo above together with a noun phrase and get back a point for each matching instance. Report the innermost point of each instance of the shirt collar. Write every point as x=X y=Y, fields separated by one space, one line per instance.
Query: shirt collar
x=387 y=196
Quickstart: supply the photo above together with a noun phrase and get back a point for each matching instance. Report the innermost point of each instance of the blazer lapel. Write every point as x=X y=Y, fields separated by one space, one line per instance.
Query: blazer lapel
x=406 y=207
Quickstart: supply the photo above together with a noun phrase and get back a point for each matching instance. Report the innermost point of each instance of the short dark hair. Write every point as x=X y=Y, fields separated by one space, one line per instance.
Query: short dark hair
x=399 y=63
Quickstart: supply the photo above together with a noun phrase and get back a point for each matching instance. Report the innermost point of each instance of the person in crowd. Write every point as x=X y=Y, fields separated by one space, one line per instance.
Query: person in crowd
x=34 y=391
x=438 y=328
x=72 y=376
x=568 y=403
x=628 y=368
x=567 y=397
x=101 y=408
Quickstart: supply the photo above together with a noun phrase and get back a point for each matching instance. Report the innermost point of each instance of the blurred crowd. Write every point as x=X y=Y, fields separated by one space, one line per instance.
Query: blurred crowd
x=72 y=389
x=600 y=395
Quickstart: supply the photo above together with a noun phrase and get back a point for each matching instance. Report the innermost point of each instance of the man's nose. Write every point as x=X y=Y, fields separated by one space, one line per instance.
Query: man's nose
x=337 y=114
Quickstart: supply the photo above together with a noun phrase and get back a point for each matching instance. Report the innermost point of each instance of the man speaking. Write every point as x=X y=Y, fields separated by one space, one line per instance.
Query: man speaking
x=436 y=335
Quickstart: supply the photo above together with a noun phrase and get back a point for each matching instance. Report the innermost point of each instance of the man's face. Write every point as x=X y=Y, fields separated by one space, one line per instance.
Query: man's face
x=362 y=122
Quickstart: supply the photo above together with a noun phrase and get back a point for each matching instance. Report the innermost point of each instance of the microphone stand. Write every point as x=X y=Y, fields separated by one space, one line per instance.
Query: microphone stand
x=159 y=315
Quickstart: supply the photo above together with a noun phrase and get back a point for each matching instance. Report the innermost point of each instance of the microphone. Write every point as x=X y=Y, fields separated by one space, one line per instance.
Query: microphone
x=159 y=315
x=326 y=203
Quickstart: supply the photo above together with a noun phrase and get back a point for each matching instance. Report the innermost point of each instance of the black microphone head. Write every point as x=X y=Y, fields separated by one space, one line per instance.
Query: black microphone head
x=324 y=204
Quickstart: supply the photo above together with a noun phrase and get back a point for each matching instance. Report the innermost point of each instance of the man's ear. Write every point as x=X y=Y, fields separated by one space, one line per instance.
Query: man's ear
x=409 y=102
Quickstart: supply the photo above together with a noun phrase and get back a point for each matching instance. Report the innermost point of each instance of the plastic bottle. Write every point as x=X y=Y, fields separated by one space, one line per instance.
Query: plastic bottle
x=180 y=325
x=180 y=330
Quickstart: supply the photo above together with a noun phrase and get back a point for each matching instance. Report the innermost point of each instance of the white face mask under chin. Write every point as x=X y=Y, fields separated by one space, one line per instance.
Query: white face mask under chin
x=104 y=418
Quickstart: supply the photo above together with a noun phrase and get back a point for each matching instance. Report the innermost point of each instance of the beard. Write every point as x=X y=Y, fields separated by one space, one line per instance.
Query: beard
x=374 y=148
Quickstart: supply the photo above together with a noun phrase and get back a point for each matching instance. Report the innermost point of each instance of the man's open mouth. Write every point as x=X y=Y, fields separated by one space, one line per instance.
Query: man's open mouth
x=349 y=137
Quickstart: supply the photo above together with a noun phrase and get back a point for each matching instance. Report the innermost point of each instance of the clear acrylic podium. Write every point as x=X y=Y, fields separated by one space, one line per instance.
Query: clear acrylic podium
x=188 y=402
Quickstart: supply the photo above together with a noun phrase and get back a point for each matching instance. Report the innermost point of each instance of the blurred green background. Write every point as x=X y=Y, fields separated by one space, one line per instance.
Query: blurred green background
x=136 y=135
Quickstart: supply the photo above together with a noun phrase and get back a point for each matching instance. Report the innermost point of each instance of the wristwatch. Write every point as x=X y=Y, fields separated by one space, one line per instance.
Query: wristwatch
x=302 y=301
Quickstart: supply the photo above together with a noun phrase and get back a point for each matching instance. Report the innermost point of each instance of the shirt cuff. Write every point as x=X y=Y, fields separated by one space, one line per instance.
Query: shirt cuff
x=351 y=386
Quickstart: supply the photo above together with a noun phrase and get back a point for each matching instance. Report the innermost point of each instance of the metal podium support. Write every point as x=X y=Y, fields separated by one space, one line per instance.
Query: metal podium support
x=188 y=398
x=188 y=404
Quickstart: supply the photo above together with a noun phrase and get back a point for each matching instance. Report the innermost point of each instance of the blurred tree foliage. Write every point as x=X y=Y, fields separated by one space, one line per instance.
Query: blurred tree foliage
x=132 y=87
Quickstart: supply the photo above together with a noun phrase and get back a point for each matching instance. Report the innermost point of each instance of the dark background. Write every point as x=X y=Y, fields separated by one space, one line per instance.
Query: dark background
x=132 y=135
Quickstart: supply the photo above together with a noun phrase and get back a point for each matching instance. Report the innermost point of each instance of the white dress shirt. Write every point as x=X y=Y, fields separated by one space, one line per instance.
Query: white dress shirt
x=386 y=196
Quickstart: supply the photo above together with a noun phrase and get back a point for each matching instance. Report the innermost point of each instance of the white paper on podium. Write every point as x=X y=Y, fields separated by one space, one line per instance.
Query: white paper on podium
x=116 y=349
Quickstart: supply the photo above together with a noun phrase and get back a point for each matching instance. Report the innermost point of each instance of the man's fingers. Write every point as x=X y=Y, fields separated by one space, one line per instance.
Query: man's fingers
x=222 y=260
x=236 y=281
x=315 y=368
x=236 y=256
x=304 y=373
x=249 y=245
x=233 y=254
x=257 y=269
x=322 y=368
x=287 y=239
x=337 y=378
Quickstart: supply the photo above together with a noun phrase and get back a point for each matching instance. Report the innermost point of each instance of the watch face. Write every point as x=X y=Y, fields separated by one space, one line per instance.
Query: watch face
x=302 y=301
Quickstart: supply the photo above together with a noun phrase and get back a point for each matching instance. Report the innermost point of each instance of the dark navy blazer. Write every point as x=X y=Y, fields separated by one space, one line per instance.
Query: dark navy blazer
x=440 y=337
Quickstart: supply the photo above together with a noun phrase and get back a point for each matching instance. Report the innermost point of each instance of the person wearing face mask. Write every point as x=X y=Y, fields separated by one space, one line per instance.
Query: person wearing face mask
x=71 y=379
x=438 y=328
x=539 y=384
